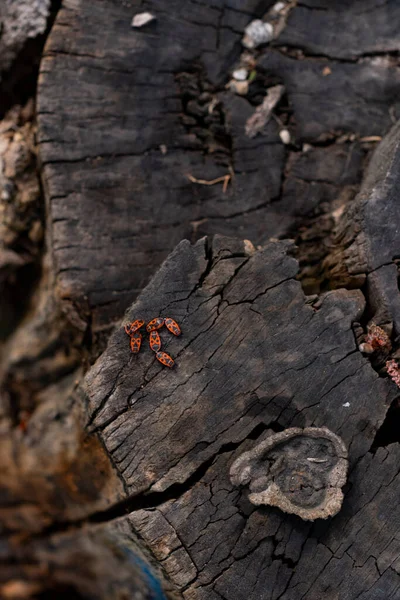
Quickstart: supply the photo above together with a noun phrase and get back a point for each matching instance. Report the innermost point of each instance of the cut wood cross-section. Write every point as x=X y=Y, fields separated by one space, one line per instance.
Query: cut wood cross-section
x=255 y=356
x=133 y=122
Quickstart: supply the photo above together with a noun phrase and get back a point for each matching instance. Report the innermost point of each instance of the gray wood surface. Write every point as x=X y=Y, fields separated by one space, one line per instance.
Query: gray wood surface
x=254 y=355
x=118 y=205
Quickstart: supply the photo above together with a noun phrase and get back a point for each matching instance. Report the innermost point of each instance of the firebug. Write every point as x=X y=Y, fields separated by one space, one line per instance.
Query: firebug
x=155 y=324
x=134 y=326
x=172 y=326
x=136 y=341
x=155 y=341
x=165 y=359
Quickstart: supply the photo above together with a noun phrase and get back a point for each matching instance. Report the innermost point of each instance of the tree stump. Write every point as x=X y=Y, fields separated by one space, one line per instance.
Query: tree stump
x=116 y=481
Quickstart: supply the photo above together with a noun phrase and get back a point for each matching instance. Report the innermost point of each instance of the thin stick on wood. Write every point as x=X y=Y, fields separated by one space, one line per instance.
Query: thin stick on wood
x=225 y=186
x=225 y=179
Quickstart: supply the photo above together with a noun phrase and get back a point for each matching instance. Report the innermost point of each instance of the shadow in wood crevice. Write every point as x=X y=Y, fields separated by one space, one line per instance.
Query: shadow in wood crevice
x=290 y=563
x=312 y=236
x=203 y=115
x=301 y=54
x=16 y=295
x=209 y=257
x=154 y=499
x=260 y=81
x=150 y=500
x=59 y=591
x=389 y=431
x=261 y=427
x=19 y=83
x=331 y=173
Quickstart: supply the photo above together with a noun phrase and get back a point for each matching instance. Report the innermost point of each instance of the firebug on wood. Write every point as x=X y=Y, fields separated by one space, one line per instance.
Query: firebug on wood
x=136 y=342
x=155 y=341
x=134 y=326
x=165 y=359
x=155 y=324
x=172 y=326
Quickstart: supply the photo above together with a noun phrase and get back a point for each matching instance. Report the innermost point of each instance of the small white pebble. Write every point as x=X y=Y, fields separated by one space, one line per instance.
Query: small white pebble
x=256 y=33
x=163 y=149
x=346 y=404
x=278 y=7
x=240 y=74
x=285 y=136
x=142 y=19
x=248 y=248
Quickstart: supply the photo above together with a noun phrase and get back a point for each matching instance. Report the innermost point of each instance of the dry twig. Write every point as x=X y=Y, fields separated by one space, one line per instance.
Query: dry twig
x=225 y=179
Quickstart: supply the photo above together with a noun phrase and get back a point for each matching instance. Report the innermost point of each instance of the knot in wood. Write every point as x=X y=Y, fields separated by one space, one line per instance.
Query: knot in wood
x=301 y=471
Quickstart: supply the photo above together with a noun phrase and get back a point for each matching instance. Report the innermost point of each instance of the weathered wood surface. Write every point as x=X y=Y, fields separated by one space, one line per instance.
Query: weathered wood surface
x=353 y=97
x=107 y=105
x=254 y=354
x=366 y=240
x=131 y=467
x=343 y=30
x=106 y=162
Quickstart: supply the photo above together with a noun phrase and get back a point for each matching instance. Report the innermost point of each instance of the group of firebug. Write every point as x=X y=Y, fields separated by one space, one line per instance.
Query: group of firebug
x=132 y=329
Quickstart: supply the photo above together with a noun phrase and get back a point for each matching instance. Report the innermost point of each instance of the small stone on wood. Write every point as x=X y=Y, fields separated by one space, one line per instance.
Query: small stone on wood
x=142 y=19
x=284 y=134
x=278 y=7
x=257 y=33
x=301 y=471
x=240 y=74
